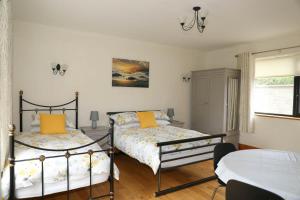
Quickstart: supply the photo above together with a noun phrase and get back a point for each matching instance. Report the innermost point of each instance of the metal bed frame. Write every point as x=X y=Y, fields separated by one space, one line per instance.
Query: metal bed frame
x=160 y=145
x=12 y=141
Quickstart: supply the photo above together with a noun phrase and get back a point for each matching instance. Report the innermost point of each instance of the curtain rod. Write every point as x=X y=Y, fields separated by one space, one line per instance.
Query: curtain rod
x=259 y=52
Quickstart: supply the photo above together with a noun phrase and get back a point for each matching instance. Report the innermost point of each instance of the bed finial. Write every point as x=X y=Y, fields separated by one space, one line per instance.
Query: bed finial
x=11 y=129
x=21 y=92
x=76 y=94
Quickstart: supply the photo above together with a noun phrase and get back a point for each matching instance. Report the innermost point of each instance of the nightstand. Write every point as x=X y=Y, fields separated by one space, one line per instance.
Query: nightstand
x=178 y=124
x=96 y=133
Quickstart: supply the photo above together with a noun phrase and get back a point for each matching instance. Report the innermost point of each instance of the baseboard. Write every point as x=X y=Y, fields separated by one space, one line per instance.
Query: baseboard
x=244 y=147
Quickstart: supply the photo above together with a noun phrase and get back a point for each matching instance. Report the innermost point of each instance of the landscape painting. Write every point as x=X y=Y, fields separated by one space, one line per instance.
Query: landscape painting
x=130 y=73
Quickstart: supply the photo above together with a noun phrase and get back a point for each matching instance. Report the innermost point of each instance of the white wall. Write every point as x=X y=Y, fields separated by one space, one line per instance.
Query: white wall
x=89 y=57
x=225 y=57
x=269 y=132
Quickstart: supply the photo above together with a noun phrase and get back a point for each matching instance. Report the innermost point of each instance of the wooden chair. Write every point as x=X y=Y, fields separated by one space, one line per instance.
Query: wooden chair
x=220 y=151
x=236 y=190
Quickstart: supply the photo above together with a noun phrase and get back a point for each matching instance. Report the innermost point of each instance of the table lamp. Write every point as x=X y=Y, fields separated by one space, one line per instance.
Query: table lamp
x=170 y=113
x=94 y=118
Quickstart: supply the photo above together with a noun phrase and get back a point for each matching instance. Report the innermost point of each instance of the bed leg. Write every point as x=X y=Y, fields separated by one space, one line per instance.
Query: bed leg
x=158 y=182
x=111 y=176
x=111 y=154
x=11 y=160
x=158 y=174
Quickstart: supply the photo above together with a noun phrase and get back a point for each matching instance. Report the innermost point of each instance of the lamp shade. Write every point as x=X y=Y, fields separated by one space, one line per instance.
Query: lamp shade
x=170 y=112
x=94 y=116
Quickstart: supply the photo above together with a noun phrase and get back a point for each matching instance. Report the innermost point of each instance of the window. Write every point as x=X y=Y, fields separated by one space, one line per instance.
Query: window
x=277 y=85
x=274 y=95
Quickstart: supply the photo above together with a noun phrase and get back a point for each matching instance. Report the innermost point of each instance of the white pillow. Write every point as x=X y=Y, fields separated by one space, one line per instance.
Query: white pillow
x=36 y=129
x=131 y=125
x=160 y=115
x=124 y=118
x=162 y=122
x=137 y=124
x=36 y=121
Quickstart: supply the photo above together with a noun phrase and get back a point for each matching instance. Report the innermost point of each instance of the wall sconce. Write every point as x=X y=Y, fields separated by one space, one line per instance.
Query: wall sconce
x=59 y=69
x=186 y=77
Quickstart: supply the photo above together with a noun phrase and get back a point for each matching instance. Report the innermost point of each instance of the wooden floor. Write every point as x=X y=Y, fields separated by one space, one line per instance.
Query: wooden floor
x=137 y=182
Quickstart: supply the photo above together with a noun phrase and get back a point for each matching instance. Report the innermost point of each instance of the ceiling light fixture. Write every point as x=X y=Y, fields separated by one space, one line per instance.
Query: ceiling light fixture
x=199 y=18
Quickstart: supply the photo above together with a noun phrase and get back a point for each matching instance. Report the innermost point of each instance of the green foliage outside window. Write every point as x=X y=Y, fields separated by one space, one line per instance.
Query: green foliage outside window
x=279 y=80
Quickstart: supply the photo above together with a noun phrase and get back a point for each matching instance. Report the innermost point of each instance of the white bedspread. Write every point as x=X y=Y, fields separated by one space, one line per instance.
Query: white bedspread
x=276 y=171
x=55 y=169
x=140 y=143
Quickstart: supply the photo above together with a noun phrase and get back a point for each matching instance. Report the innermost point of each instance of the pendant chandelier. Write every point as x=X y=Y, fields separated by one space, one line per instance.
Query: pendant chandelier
x=199 y=20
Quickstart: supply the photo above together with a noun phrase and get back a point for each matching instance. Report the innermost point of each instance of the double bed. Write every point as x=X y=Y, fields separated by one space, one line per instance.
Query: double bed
x=40 y=164
x=162 y=147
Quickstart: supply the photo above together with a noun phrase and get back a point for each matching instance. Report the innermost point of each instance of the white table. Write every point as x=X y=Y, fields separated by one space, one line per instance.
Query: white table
x=276 y=171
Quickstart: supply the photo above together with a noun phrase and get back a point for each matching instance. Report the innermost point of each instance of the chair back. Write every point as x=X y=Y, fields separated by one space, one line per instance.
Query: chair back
x=236 y=190
x=221 y=150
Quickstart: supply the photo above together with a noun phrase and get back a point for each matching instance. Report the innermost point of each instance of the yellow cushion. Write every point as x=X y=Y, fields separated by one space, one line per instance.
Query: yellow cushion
x=52 y=123
x=147 y=119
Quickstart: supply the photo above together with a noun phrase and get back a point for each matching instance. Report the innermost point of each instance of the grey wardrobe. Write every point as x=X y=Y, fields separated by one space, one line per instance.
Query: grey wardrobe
x=215 y=101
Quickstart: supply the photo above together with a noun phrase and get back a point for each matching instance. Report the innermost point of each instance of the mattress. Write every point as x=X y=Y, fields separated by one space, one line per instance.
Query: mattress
x=28 y=174
x=141 y=144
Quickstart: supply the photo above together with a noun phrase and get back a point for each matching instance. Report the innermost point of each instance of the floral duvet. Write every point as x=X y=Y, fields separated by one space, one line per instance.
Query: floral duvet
x=140 y=143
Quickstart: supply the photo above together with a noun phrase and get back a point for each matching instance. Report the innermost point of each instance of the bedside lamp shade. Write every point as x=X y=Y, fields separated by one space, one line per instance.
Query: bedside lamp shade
x=94 y=118
x=171 y=113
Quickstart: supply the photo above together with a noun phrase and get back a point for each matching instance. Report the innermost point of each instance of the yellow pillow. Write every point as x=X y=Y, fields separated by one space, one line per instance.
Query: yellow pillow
x=147 y=119
x=52 y=123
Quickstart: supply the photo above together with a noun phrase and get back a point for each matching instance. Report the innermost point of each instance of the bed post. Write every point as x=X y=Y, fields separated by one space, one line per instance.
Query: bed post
x=76 y=107
x=159 y=172
x=111 y=153
x=11 y=159
x=21 y=109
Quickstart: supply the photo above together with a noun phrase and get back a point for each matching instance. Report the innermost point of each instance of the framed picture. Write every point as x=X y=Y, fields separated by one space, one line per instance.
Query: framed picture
x=130 y=73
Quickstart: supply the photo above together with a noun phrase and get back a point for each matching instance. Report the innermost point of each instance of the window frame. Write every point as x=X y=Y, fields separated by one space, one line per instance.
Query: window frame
x=296 y=101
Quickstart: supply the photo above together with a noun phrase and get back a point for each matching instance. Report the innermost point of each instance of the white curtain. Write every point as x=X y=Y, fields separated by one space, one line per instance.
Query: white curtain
x=5 y=76
x=232 y=114
x=245 y=62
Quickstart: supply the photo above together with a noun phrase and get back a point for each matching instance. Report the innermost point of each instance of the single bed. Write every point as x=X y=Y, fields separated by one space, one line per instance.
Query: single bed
x=45 y=164
x=163 y=147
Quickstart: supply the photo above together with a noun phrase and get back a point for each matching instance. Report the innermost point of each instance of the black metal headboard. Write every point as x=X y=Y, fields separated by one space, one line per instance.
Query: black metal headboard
x=47 y=108
x=117 y=112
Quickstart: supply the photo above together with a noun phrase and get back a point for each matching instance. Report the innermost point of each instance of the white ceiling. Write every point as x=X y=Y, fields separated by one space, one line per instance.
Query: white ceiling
x=230 y=22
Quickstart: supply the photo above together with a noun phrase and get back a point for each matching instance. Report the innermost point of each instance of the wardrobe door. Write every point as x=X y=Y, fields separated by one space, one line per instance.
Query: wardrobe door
x=216 y=104
x=200 y=102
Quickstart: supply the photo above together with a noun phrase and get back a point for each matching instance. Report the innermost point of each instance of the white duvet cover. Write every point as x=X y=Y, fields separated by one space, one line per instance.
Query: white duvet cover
x=140 y=143
x=28 y=173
